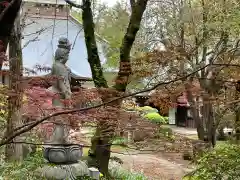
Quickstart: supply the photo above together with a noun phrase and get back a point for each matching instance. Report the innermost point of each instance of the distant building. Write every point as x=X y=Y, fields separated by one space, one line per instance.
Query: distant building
x=43 y=29
x=48 y=2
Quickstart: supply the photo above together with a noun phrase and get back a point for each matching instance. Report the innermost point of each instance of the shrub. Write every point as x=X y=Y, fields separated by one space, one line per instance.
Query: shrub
x=221 y=163
x=120 y=141
x=166 y=133
x=166 y=119
x=22 y=170
x=146 y=109
x=155 y=118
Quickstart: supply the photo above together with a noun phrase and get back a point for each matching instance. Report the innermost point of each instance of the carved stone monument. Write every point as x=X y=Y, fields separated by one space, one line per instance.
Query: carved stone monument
x=59 y=151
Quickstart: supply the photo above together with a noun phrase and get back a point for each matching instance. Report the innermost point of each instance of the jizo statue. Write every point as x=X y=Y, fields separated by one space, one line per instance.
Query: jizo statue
x=60 y=151
x=61 y=87
x=61 y=71
x=66 y=156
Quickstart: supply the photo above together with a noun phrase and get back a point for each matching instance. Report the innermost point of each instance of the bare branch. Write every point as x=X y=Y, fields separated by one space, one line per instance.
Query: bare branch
x=73 y=4
x=7 y=8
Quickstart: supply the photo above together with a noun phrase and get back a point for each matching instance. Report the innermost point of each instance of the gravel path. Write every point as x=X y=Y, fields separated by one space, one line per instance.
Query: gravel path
x=156 y=166
x=152 y=166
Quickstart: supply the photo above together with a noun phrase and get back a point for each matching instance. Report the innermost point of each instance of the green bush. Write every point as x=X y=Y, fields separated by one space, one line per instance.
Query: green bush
x=166 y=133
x=120 y=141
x=155 y=118
x=166 y=119
x=221 y=163
x=22 y=170
x=146 y=109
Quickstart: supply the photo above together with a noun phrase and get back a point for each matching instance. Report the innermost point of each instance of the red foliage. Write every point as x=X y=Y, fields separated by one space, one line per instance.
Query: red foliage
x=5 y=3
x=39 y=104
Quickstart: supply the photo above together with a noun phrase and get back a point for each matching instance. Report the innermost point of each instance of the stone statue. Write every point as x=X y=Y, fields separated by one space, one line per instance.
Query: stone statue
x=61 y=87
x=64 y=155
x=61 y=71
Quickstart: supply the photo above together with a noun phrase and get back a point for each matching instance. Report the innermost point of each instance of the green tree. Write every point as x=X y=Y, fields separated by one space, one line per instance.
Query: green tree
x=112 y=26
x=195 y=34
x=101 y=143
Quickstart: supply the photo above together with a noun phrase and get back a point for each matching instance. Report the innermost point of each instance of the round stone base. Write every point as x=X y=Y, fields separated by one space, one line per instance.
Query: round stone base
x=62 y=154
x=63 y=172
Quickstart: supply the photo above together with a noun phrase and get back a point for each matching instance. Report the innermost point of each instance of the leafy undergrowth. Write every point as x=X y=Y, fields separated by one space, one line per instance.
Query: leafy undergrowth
x=156 y=118
x=220 y=164
x=120 y=141
x=25 y=170
x=119 y=173
x=22 y=170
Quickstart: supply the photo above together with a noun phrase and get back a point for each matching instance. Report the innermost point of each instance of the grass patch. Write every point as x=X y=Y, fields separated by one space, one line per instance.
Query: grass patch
x=118 y=148
x=120 y=173
x=85 y=151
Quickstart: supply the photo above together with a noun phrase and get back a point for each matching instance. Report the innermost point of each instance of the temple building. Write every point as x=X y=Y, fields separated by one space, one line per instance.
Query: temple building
x=45 y=22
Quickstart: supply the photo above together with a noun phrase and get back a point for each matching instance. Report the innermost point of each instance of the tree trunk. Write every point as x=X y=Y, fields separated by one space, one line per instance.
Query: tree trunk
x=208 y=115
x=92 y=50
x=100 y=150
x=8 y=14
x=14 y=151
x=138 y=8
x=237 y=126
x=194 y=109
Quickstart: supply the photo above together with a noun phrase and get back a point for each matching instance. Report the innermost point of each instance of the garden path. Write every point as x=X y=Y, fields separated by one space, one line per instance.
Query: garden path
x=152 y=161
x=155 y=167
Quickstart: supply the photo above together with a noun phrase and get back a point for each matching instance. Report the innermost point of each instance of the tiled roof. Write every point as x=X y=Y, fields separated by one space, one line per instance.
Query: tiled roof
x=41 y=36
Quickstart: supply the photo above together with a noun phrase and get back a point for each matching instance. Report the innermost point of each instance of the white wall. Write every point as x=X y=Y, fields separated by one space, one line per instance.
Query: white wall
x=172 y=116
x=5 y=78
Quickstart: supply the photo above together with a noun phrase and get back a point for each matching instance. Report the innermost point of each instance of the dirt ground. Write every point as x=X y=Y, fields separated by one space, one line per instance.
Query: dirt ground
x=157 y=159
x=155 y=167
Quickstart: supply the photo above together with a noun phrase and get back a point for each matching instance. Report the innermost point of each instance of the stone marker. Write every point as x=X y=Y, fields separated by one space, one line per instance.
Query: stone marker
x=94 y=173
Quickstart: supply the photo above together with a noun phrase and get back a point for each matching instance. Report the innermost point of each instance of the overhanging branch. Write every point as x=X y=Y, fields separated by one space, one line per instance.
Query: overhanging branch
x=74 y=4
x=24 y=128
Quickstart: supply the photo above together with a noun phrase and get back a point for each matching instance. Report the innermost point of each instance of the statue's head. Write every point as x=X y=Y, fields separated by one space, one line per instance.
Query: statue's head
x=64 y=43
x=62 y=52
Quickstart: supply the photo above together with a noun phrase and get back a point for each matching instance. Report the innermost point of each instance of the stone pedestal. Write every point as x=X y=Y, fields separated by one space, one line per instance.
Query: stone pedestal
x=63 y=164
x=63 y=172
x=62 y=154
